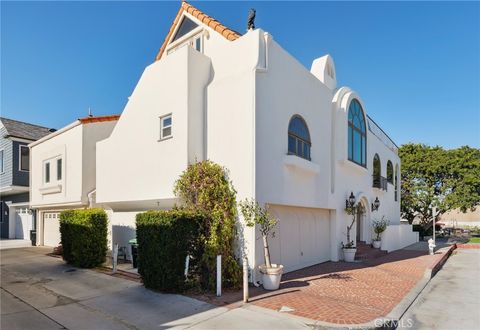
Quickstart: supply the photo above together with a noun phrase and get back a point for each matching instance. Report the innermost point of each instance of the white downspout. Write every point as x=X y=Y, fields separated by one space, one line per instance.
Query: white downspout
x=90 y=198
x=261 y=69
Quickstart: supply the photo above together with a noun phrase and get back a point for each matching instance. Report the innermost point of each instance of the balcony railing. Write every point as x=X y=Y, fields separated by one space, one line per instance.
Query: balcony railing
x=379 y=133
x=380 y=182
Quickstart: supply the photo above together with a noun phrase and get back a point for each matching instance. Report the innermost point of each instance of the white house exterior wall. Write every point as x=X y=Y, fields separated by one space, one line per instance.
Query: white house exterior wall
x=67 y=145
x=285 y=89
x=76 y=146
x=232 y=105
x=134 y=157
x=92 y=133
x=350 y=177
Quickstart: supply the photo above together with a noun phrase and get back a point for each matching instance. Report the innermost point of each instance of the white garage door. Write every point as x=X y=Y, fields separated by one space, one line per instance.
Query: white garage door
x=51 y=229
x=302 y=237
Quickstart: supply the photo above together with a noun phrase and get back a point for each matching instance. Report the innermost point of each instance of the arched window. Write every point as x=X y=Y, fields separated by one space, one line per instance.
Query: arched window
x=390 y=172
x=378 y=180
x=397 y=173
x=357 y=134
x=298 y=138
x=377 y=166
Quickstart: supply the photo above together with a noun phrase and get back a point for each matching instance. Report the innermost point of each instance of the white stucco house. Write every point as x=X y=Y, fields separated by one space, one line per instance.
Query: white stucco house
x=289 y=136
x=63 y=172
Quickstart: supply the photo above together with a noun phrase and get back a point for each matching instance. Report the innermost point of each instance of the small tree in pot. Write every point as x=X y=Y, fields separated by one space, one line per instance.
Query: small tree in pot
x=254 y=214
x=352 y=209
x=379 y=226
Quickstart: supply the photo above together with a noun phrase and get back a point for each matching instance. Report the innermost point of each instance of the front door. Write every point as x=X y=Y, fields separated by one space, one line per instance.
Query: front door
x=359 y=224
x=4 y=220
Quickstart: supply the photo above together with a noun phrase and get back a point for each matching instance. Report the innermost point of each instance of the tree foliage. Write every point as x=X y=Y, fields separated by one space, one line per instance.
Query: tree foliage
x=435 y=177
x=254 y=214
x=205 y=187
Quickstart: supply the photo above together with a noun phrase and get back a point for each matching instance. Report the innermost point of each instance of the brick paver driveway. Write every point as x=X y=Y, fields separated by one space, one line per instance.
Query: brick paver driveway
x=345 y=293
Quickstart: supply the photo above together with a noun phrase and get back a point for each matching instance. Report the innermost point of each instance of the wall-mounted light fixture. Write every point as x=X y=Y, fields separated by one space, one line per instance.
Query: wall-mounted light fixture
x=350 y=202
x=375 y=204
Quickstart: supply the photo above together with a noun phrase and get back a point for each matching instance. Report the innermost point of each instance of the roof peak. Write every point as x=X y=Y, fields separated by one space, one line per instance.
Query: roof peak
x=212 y=23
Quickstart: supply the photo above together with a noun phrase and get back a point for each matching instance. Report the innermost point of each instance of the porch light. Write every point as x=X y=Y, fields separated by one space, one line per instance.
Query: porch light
x=350 y=202
x=375 y=204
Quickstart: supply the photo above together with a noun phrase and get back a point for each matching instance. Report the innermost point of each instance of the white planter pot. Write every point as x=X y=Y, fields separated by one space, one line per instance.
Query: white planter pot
x=349 y=254
x=377 y=244
x=272 y=276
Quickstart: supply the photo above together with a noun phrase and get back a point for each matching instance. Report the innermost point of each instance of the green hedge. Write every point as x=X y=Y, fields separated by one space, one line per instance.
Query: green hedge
x=84 y=237
x=164 y=240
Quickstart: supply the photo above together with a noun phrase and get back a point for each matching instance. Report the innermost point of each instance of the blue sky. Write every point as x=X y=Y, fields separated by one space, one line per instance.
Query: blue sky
x=416 y=65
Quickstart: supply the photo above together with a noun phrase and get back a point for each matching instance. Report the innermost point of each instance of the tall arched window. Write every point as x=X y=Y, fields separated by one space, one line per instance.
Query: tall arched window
x=377 y=166
x=298 y=138
x=357 y=134
x=390 y=172
x=378 y=180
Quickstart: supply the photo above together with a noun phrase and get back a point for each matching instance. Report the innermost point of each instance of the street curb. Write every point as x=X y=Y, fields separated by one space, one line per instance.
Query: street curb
x=391 y=319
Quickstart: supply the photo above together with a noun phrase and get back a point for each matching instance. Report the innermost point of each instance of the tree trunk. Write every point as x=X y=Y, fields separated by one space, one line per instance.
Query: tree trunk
x=266 y=251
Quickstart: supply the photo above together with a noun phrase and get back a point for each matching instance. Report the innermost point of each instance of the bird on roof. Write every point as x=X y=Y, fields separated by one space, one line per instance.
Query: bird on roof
x=251 y=19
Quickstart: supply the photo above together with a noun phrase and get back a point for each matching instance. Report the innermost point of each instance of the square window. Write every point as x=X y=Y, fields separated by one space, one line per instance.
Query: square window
x=165 y=127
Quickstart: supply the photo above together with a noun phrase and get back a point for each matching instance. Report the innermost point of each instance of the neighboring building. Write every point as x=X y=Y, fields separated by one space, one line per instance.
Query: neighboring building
x=289 y=136
x=458 y=219
x=16 y=219
x=63 y=172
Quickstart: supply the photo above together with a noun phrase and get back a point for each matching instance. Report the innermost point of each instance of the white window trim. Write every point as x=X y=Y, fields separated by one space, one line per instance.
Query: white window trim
x=20 y=158
x=53 y=171
x=163 y=138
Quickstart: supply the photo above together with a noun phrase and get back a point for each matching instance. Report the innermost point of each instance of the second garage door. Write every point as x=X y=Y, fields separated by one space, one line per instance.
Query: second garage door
x=302 y=237
x=51 y=229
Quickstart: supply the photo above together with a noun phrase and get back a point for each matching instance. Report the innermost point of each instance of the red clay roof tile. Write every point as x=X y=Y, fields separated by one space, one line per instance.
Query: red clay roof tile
x=88 y=120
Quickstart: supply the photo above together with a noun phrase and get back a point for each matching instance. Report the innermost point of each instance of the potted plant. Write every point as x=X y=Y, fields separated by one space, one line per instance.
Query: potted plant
x=254 y=214
x=379 y=226
x=352 y=209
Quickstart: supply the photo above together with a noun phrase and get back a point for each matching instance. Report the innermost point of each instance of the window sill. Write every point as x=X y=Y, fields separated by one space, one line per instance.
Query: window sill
x=297 y=163
x=51 y=189
x=166 y=138
x=354 y=166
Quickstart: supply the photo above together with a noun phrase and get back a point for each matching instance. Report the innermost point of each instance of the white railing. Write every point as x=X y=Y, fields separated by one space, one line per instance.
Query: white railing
x=379 y=133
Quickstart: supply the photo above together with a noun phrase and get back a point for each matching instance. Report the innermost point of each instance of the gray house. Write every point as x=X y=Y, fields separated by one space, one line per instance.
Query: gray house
x=16 y=219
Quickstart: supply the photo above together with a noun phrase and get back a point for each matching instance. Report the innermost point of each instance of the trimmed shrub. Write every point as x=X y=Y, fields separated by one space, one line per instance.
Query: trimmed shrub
x=84 y=237
x=165 y=238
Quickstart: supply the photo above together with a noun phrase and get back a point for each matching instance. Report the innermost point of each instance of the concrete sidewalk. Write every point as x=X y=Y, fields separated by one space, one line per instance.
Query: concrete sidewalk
x=42 y=292
x=14 y=243
x=452 y=298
